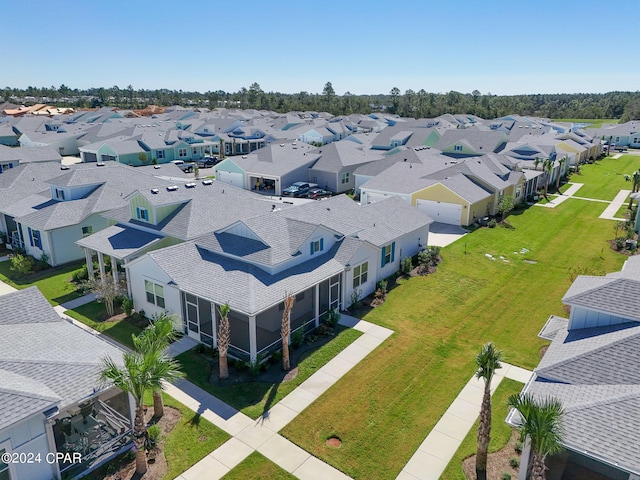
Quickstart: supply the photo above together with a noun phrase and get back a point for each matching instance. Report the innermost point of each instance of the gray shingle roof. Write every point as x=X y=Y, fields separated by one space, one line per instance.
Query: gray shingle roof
x=45 y=350
x=120 y=241
x=595 y=372
x=615 y=295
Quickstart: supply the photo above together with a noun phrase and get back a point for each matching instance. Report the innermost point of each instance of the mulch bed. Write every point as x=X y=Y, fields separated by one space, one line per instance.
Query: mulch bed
x=125 y=465
x=497 y=463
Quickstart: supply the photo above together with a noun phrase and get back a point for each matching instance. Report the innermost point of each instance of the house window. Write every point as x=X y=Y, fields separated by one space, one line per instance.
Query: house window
x=360 y=274
x=388 y=254
x=155 y=293
x=317 y=246
x=457 y=148
x=4 y=467
x=86 y=231
x=345 y=178
x=182 y=152
x=159 y=154
x=142 y=214
x=59 y=194
x=34 y=238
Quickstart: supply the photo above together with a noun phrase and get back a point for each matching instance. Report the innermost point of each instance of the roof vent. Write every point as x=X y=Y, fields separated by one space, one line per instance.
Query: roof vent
x=172 y=188
x=244 y=156
x=155 y=190
x=64 y=167
x=273 y=207
x=207 y=182
x=100 y=164
x=294 y=144
x=190 y=185
x=156 y=167
x=282 y=144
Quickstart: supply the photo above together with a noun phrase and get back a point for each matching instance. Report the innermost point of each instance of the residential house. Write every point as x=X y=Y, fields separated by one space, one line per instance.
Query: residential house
x=622 y=135
x=326 y=254
x=457 y=192
x=270 y=169
x=592 y=367
x=54 y=410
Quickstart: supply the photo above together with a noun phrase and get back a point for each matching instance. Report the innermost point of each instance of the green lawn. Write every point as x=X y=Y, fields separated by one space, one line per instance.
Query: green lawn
x=623 y=211
x=593 y=122
x=52 y=282
x=258 y=467
x=605 y=178
x=254 y=398
x=500 y=431
x=399 y=393
x=91 y=315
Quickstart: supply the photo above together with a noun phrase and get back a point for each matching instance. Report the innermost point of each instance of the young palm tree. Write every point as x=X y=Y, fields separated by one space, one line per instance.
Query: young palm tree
x=488 y=361
x=537 y=162
x=635 y=178
x=542 y=425
x=562 y=163
x=285 y=330
x=141 y=372
x=157 y=336
x=224 y=338
x=547 y=168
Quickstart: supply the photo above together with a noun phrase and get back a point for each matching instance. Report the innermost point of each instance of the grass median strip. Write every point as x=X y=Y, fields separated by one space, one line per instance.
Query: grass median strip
x=258 y=467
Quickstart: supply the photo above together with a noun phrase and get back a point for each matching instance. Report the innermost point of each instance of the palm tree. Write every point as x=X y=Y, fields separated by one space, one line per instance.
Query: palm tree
x=542 y=424
x=488 y=361
x=547 y=168
x=635 y=178
x=224 y=338
x=285 y=330
x=157 y=336
x=536 y=162
x=141 y=372
x=562 y=163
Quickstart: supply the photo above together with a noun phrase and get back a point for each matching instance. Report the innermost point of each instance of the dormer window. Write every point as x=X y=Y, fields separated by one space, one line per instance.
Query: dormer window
x=457 y=148
x=59 y=194
x=317 y=246
x=142 y=214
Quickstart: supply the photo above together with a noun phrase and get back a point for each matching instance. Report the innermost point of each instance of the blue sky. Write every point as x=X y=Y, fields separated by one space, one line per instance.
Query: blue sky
x=365 y=47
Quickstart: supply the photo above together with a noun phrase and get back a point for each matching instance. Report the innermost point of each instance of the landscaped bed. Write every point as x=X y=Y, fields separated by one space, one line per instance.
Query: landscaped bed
x=185 y=439
x=254 y=395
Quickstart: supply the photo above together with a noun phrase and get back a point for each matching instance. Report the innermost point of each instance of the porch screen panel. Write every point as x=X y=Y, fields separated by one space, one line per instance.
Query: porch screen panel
x=206 y=321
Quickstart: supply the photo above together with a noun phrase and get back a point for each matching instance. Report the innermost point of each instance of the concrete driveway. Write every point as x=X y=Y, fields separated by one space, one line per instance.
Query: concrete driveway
x=442 y=234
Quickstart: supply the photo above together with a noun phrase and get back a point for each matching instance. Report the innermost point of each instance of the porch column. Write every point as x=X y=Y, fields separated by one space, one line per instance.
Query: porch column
x=101 y=263
x=88 y=258
x=525 y=457
x=253 y=343
x=114 y=272
x=126 y=278
x=317 y=304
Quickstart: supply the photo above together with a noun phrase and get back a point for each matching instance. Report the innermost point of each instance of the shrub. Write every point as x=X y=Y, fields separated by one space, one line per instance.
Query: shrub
x=620 y=242
x=21 y=264
x=382 y=286
x=492 y=223
x=297 y=338
x=518 y=446
x=514 y=462
x=153 y=436
x=127 y=305
x=241 y=366
x=276 y=357
x=333 y=317
x=406 y=265
x=506 y=476
x=43 y=261
x=80 y=275
x=355 y=297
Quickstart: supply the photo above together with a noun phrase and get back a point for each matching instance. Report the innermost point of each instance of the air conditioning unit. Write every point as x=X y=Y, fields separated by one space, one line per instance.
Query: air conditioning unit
x=172 y=188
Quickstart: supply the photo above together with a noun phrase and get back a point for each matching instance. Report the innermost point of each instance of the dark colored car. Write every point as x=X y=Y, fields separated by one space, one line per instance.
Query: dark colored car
x=297 y=189
x=317 y=193
x=207 y=162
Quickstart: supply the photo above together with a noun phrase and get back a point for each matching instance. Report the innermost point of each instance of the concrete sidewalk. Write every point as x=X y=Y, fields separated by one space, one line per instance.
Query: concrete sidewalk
x=249 y=435
x=437 y=450
x=610 y=212
x=562 y=197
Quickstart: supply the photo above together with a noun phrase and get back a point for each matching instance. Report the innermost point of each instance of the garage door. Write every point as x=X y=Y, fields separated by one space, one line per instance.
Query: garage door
x=232 y=178
x=373 y=197
x=440 y=211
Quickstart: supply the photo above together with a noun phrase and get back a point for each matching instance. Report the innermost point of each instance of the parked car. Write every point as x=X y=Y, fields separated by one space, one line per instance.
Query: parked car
x=298 y=189
x=317 y=193
x=207 y=162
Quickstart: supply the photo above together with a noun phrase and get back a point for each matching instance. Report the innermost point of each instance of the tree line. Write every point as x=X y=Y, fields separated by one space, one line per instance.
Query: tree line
x=418 y=104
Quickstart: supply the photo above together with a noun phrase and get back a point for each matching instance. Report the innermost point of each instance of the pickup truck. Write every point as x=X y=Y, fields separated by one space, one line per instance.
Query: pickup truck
x=298 y=189
x=186 y=167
